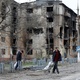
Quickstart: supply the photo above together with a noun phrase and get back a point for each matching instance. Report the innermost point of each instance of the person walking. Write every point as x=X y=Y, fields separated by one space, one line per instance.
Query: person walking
x=56 y=56
x=18 y=59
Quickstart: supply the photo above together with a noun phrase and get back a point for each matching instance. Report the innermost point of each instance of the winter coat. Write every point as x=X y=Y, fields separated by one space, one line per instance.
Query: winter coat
x=59 y=58
x=19 y=56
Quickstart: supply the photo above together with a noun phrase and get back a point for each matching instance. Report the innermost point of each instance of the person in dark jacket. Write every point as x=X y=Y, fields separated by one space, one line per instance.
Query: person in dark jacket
x=56 y=56
x=18 y=59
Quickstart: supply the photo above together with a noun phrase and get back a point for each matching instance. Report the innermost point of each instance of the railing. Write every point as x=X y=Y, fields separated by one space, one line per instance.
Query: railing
x=38 y=64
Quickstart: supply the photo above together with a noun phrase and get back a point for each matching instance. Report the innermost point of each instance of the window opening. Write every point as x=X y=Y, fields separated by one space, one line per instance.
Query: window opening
x=49 y=19
x=30 y=10
x=49 y=9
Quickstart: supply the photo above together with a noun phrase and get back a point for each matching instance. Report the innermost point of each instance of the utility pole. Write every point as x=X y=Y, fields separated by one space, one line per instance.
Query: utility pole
x=78 y=28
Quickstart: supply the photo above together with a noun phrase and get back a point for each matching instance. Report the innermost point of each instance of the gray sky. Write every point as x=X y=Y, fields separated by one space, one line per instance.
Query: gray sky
x=70 y=3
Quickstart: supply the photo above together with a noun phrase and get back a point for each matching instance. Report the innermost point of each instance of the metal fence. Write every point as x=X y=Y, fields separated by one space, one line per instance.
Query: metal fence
x=38 y=64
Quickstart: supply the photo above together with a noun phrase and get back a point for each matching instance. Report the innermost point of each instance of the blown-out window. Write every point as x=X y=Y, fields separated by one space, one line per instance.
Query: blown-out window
x=49 y=9
x=2 y=39
x=3 y=51
x=3 y=10
x=30 y=10
x=50 y=19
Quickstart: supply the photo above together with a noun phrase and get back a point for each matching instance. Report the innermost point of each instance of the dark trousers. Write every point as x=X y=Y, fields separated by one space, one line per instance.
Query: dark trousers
x=55 y=67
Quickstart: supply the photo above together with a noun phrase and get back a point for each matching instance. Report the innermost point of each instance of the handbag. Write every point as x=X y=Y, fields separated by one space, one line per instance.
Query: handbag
x=60 y=58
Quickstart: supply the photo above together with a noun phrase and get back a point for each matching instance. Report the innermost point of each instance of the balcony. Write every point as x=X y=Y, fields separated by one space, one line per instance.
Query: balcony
x=67 y=14
x=66 y=24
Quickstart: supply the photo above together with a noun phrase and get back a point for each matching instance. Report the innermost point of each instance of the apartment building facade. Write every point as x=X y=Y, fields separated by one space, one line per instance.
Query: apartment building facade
x=38 y=26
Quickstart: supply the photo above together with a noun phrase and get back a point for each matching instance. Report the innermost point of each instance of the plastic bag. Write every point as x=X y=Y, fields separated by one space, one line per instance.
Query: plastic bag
x=50 y=64
x=15 y=64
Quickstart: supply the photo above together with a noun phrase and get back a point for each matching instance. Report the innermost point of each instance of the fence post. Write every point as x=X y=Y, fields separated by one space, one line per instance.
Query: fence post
x=11 y=66
x=1 y=67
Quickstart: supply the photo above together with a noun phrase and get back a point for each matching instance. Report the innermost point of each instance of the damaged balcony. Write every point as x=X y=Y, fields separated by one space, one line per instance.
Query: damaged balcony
x=67 y=14
x=66 y=24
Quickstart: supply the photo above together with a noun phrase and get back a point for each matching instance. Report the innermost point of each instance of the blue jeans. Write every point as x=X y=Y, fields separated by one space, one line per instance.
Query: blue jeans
x=19 y=65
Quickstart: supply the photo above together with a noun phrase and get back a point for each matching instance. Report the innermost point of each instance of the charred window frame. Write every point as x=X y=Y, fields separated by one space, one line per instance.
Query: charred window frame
x=66 y=43
x=14 y=30
x=3 y=27
x=66 y=32
x=50 y=30
x=29 y=18
x=38 y=30
x=61 y=29
x=74 y=25
x=14 y=20
x=30 y=10
x=29 y=47
x=29 y=51
x=2 y=39
x=74 y=48
x=51 y=43
x=29 y=30
x=14 y=15
x=14 y=50
x=14 y=41
x=3 y=10
x=3 y=51
x=74 y=33
x=49 y=9
x=30 y=41
x=49 y=19
x=14 y=10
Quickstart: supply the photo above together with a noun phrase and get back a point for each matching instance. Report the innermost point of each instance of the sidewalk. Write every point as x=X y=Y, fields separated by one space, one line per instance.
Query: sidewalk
x=67 y=72
x=75 y=76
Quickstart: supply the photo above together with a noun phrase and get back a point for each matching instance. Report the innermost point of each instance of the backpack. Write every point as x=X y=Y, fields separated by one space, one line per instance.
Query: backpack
x=60 y=58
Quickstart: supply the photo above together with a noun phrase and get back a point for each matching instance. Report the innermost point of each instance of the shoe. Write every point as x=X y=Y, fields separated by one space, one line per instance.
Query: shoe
x=58 y=72
x=53 y=72
x=49 y=71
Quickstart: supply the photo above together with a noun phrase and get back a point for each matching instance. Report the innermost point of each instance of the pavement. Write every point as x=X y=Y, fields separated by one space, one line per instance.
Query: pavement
x=75 y=76
x=67 y=72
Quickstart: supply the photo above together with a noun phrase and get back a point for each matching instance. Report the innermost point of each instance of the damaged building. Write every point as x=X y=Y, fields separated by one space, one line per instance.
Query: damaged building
x=38 y=26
